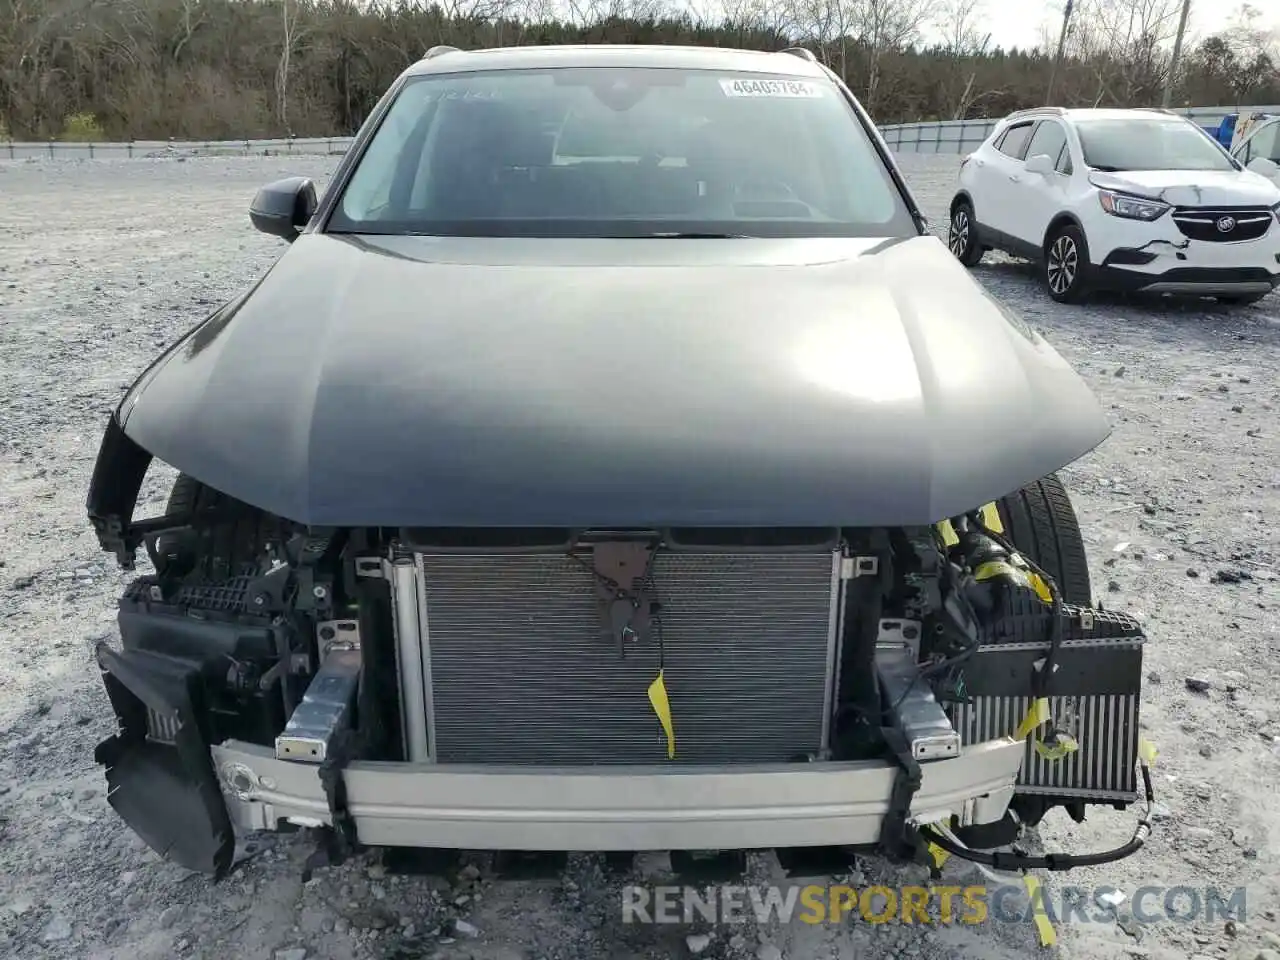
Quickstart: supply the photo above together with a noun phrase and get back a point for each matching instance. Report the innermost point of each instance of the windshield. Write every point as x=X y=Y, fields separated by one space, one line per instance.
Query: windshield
x=620 y=152
x=1143 y=143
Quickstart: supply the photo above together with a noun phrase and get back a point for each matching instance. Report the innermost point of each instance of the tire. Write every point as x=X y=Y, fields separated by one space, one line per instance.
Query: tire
x=183 y=496
x=173 y=550
x=962 y=235
x=1040 y=521
x=219 y=549
x=1244 y=300
x=1065 y=265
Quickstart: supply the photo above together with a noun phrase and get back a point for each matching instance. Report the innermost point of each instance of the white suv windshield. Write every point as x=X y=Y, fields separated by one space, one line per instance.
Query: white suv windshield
x=621 y=152
x=1142 y=143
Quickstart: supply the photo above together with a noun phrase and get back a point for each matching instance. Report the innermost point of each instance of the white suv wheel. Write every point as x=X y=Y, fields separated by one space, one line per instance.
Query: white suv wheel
x=1064 y=264
x=1067 y=273
x=959 y=232
x=962 y=236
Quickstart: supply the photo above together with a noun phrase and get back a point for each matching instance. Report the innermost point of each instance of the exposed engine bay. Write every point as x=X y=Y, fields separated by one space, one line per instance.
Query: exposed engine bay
x=345 y=655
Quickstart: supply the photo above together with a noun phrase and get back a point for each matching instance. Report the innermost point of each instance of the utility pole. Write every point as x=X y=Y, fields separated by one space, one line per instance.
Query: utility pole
x=1057 y=61
x=1177 y=56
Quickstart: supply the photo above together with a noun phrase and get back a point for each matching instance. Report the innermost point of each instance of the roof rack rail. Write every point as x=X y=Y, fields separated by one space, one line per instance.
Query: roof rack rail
x=439 y=50
x=804 y=53
x=1056 y=111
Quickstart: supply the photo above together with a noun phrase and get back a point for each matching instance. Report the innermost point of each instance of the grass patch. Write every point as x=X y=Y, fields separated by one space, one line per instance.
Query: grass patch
x=82 y=128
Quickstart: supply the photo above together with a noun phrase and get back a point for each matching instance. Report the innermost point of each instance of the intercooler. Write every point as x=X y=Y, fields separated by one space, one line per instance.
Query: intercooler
x=1093 y=697
x=520 y=668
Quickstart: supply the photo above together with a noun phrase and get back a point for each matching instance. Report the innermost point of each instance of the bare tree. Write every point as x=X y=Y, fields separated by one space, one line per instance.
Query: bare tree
x=1127 y=41
x=192 y=20
x=828 y=25
x=1247 y=36
x=961 y=25
x=234 y=68
x=583 y=13
x=884 y=26
x=960 y=22
x=762 y=16
x=289 y=37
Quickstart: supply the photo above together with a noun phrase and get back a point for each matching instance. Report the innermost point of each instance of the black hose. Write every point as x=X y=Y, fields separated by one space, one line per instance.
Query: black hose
x=1053 y=862
x=1008 y=860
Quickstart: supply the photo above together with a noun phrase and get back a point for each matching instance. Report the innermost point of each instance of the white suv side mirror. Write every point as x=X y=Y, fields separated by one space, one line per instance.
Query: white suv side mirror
x=1041 y=163
x=1268 y=168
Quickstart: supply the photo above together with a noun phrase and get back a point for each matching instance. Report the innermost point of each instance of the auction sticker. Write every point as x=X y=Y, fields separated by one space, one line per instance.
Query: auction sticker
x=794 y=89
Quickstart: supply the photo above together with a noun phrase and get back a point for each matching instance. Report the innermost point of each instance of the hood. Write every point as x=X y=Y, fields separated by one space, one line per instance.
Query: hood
x=510 y=382
x=1193 y=188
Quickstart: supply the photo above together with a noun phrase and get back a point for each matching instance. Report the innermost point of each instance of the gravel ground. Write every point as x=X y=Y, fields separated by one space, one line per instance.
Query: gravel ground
x=104 y=262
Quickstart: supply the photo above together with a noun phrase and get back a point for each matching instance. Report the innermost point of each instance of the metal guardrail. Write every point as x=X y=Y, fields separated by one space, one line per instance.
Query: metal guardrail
x=150 y=149
x=943 y=136
x=962 y=136
x=935 y=136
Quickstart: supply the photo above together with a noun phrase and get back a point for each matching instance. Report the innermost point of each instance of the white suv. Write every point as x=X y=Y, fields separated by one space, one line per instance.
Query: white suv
x=1119 y=199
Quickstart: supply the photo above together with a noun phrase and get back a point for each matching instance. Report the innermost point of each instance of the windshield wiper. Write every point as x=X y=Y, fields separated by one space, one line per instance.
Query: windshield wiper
x=1107 y=168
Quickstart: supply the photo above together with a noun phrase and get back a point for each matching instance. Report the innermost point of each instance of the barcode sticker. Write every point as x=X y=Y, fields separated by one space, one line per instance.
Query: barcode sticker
x=793 y=89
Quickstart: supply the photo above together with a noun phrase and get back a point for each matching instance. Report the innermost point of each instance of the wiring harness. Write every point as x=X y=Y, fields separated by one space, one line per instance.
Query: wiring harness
x=1017 y=860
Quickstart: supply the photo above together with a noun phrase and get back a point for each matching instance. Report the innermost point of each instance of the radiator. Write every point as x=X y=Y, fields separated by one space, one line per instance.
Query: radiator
x=520 y=669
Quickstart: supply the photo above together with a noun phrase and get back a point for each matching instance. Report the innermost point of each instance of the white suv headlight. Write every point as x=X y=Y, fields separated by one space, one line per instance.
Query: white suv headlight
x=1131 y=208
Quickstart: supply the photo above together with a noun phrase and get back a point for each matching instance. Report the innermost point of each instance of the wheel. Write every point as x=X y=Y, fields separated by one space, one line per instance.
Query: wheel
x=962 y=235
x=173 y=550
x=1243 y=300
x=223 y=539
x=1040 y=521
x=1066 y=264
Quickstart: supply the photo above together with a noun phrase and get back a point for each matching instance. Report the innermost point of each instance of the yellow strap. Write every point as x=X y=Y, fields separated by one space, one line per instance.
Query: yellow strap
x=1036 y=715
x=948 y=533
x=939 y=855
x=662 y=707
x=1021 y=576
x=997 y=568
x=936 y=853
x=1039 y=586
x=1044 y=926
x=1146 y=751
x=1064 y=745
x=991 y=518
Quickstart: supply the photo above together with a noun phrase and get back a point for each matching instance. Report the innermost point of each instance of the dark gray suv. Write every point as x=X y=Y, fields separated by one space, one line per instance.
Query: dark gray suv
x=613 y=461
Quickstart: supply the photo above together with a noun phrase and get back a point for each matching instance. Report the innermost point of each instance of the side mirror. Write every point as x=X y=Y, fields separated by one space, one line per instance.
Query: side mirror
x=283 y=208
x=1041 y=163
x=1268 y=168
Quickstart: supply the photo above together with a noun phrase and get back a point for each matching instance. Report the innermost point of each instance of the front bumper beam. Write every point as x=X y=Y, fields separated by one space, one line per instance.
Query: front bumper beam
x=630 y=808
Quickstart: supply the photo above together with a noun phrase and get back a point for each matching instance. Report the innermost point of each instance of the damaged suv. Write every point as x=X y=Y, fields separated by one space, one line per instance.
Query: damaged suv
x=613 y=461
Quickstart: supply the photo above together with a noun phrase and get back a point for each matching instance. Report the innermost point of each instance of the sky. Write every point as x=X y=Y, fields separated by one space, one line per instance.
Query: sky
x=1019 y=22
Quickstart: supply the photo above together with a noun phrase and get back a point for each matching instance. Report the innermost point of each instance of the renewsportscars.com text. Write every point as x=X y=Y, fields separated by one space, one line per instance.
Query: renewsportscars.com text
x=923 y=905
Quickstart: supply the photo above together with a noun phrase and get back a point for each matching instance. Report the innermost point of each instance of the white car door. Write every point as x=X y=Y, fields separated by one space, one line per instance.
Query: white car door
x=1042 y=192
x=996 y=204
x=1260 y=151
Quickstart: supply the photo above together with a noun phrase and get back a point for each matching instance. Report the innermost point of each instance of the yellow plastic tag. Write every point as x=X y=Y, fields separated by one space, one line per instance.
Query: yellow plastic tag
x=995 y=568
x=1146 y=751
x=939 y=855
x=662 y=707
x=1044 y=926
x=1037 y=715
x=1064 y=745
x=991 y=518
x=948 y=533
x=1040 y=587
